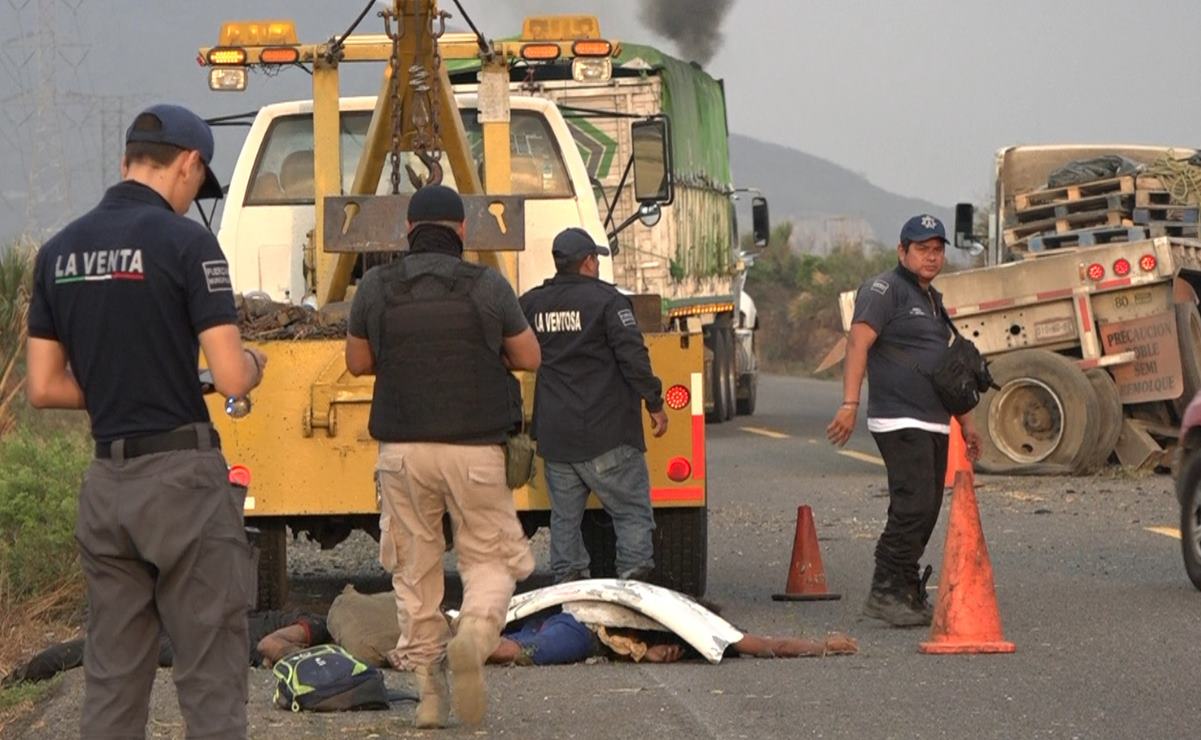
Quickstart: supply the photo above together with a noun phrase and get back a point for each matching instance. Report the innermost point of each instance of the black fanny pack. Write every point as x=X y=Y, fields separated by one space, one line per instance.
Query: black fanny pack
x=961 y=375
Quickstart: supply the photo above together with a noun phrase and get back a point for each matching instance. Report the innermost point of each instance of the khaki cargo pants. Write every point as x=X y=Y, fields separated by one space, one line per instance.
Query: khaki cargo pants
x=162 y=545
x=418 y=482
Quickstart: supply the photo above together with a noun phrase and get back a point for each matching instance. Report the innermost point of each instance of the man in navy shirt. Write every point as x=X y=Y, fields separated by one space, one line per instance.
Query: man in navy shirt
x=595 y=376
x=123 y=300
x=898 y=322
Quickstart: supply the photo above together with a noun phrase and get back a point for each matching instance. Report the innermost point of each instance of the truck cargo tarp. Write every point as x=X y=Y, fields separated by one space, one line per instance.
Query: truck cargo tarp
x=1087 y=170
x=693 y=100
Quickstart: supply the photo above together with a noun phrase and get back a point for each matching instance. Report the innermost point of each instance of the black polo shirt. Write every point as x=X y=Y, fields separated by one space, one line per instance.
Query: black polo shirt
x=908 y=321
x=595 y=369
x=126 y=288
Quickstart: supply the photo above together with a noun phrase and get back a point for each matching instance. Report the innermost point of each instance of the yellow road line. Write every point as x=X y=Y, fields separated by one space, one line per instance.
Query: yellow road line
x=765 y=432
x=863 y=456
x=1165 y=531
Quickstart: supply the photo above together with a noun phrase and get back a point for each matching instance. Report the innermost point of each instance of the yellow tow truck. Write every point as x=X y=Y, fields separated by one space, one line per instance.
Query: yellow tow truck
x=318 y=195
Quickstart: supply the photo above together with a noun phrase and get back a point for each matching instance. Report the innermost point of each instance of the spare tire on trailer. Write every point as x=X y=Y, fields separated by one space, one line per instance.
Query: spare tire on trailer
x=1045 y=411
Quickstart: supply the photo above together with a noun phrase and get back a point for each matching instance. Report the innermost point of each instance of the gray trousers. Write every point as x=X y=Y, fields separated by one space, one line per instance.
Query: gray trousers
x=162 y=546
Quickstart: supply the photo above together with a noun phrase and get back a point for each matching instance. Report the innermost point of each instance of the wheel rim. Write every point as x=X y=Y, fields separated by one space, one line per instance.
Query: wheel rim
x=1025 y=420
x=1192 y=525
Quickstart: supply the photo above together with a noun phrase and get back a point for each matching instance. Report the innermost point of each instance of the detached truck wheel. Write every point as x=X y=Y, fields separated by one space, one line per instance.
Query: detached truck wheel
x=1188 y=488
x=1045 y=412
x=271 y=544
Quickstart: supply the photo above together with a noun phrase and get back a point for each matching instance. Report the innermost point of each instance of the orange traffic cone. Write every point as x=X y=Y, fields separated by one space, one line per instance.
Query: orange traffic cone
x=966 y=619
x=806 y=575
x=956 y=454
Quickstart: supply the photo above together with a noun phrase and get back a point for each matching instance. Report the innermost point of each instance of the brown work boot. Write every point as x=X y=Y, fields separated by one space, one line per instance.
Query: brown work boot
x=466 y=654
x=434 y=707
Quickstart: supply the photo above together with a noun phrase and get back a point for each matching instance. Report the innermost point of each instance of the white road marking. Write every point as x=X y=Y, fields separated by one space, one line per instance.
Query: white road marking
x=862 y=456
x=1165 y=531
x=765 y=432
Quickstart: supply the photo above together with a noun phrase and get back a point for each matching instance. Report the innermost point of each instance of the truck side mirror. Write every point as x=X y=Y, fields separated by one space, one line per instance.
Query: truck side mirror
x=652 y=161
x=965 y=218
x=760 y=223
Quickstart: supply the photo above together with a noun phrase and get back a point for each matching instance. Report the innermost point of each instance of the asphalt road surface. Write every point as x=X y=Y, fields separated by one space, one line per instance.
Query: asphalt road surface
x=1089 y=581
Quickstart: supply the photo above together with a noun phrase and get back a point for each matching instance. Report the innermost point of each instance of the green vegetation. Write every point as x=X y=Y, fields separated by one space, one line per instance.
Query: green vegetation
x=797 y=297
x=42 y=458
x=41 y=468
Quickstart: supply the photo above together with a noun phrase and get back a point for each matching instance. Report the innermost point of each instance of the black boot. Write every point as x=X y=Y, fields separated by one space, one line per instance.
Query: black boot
x=920 y=597
x=891 y=601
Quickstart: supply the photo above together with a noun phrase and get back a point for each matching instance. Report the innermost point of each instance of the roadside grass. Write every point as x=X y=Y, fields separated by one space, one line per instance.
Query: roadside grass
x=42 y=459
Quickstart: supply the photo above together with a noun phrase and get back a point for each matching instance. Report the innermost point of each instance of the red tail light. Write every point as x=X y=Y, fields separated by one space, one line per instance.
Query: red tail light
x=239 y=475
x=1096 y=271
x=1121 y=267
x=677 y=397
x=679 y=469
x=1147 y=262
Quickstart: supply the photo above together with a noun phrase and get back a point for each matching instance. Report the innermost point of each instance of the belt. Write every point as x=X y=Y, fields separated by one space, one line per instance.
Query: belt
x=188 y=438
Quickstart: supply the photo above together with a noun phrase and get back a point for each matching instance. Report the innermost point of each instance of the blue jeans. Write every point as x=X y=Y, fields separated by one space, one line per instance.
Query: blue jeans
x=620 y=480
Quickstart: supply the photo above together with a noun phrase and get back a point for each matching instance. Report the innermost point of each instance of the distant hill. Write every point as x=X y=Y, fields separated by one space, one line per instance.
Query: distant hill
x=825 y=200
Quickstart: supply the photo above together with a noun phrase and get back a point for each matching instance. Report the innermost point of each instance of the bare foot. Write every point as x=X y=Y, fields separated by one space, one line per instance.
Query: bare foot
x=663 y=653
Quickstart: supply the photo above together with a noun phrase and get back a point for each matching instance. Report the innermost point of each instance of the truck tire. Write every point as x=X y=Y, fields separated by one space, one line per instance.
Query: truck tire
x=1188 y=489
x=729 y=372
x=1188 y=332
x=1045 y=412
x=1110 y=404
x=681 y=548
x=271 y=545
x=746 y=406
x=716 y=384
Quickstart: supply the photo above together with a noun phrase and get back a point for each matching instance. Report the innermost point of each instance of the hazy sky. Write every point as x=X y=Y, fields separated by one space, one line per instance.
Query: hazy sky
x=914 y=94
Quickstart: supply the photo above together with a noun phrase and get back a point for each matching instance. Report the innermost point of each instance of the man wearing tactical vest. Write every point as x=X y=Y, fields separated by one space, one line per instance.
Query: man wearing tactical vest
x=440 y=335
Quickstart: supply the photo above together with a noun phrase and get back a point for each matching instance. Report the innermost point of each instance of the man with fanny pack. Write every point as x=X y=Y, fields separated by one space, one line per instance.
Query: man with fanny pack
x=899 y=335
x=123 y=299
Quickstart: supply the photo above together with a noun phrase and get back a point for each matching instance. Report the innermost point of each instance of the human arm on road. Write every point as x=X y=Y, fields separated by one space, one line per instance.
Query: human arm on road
x=49 y=382
x=971 y=437
x=236 y=369
x=859 y=340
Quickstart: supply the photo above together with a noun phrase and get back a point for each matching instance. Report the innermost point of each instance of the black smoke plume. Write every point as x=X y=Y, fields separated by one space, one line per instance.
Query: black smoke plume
x=694 y=25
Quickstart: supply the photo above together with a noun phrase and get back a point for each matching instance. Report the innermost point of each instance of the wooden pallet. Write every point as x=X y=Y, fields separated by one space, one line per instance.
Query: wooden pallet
x=1064 y=208
x=1146 y=197
x=1124 y=184
x=1174 y=228
x=1070 y=222
x=1186 y=214
x=1086 y=238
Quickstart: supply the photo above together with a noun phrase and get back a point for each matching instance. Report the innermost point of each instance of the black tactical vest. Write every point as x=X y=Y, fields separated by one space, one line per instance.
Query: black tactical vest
x=436 y=379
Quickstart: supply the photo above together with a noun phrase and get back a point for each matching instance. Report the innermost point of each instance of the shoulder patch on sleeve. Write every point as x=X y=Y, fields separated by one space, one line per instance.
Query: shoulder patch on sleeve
x=879 y=286
x=216 y=276
x=627 y=317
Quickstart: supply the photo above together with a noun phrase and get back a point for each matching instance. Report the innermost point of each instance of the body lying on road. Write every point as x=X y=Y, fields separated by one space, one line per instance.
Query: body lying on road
x=568 y=632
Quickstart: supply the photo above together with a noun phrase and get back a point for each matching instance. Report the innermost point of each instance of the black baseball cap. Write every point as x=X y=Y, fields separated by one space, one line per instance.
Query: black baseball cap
x=923 y=227
x=180 y=127
x=574 y=244
x=435 y=203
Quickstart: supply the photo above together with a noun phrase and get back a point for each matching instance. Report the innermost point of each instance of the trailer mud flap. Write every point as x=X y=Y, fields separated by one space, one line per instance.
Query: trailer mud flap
x=1155 y=374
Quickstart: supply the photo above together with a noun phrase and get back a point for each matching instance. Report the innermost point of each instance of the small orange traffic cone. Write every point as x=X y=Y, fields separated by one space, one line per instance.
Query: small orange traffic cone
x=966 y=619
x=806 y=575
x=956 y=454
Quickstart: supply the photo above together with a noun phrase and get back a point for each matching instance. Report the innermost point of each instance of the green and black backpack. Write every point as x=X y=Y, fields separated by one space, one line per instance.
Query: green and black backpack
x=326 y=678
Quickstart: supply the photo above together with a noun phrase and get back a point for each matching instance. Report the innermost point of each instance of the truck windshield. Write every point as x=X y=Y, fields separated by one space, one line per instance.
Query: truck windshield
x=283 y=173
